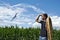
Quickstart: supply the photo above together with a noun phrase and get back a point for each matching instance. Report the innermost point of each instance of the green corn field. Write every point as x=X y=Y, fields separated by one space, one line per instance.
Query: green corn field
x=11 y=33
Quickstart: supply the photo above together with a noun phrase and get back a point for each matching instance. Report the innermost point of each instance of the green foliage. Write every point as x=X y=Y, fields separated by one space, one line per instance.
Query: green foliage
x=11 y=33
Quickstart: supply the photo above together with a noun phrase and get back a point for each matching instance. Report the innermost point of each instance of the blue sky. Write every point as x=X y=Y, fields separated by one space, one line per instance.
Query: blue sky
x=27 y=11
x=49 y=6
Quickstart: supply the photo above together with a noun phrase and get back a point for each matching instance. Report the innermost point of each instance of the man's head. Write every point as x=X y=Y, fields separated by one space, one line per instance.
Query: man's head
x=44 y=16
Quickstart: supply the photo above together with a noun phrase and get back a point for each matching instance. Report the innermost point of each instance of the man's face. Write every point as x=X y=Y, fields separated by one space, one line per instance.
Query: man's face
x=43 y=17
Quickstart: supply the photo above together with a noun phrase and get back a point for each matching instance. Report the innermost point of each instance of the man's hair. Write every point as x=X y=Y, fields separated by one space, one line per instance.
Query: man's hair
x=45 y=15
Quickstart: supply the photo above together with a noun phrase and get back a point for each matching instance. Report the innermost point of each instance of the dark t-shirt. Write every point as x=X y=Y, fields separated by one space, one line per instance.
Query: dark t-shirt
x=43 y=32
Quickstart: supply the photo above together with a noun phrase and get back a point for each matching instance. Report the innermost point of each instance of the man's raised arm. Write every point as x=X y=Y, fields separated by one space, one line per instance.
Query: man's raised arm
x=37 y=20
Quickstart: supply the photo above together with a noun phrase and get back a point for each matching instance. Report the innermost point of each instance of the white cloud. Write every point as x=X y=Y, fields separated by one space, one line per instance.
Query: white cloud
x=55 y=22
x=7 y=12
x=29 y=6
x=24 y=17
x=36 y=25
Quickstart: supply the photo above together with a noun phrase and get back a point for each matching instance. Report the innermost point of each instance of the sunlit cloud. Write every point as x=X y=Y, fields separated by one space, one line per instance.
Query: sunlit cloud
x=7 y=12
x=55 y=22
x=26 y=15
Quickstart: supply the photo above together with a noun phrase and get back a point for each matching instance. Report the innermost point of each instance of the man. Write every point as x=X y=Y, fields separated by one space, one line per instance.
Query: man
x=43 y=33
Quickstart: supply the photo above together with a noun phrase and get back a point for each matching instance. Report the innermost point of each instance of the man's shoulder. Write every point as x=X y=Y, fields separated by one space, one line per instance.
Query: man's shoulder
x=42 y=21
